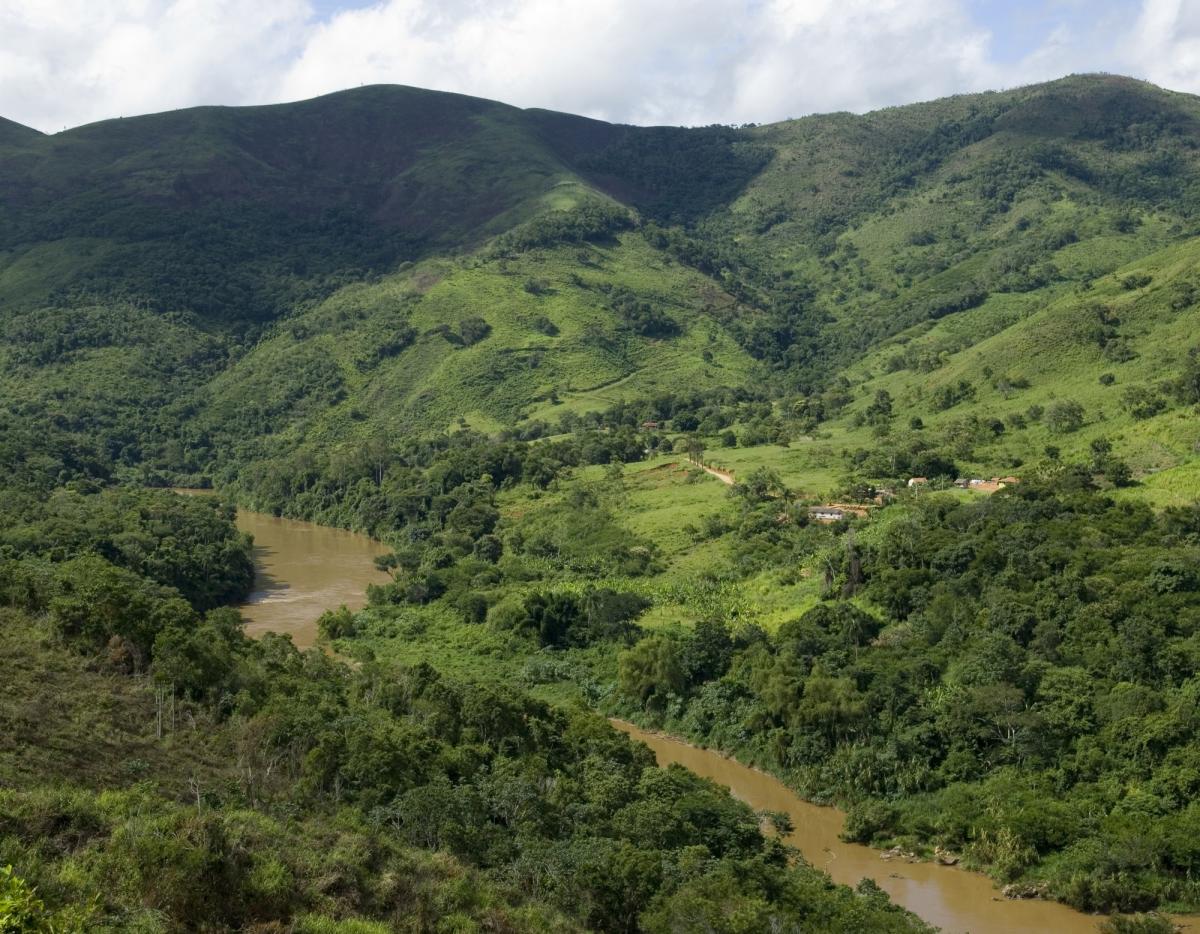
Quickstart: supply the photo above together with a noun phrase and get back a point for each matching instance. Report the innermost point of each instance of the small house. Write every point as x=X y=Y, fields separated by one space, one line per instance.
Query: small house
x=826 y=514
x=918 y=481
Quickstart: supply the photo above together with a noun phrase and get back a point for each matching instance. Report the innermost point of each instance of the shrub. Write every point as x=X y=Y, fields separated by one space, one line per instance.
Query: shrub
x=473 y=606
x=867 y=821
x=474 y=329
x=1137 y=280
x=1142 y=402
x=337 y=624
x=1064 y=416
x=591 y=221
x=544 y=325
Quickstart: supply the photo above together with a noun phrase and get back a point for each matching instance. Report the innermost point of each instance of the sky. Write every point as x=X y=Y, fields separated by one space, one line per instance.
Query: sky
x=683 y=62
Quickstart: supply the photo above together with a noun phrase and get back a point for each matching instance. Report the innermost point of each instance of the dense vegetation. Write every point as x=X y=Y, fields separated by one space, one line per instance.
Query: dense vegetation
x=505 y=342
x=1013 y=678
x=185 y=543
x=256 y=784
x=1008 y=678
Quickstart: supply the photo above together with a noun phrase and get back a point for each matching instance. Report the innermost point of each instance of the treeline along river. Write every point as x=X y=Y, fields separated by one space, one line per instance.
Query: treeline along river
x=305 y=569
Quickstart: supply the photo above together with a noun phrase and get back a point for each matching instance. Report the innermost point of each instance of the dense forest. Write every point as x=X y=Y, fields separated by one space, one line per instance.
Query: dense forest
x=1011 y=679
x=242 y=782
x=863 y=448
x=1014 y=679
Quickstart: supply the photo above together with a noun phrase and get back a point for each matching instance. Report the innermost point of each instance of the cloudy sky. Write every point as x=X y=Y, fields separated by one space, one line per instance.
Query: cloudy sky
x=68 y=62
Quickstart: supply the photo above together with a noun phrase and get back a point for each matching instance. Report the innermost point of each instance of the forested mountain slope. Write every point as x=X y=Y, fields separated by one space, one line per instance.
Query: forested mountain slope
x=235 y=214
x=915 y=213
x=462 y=327
x=248 y=269
x=1110 y=363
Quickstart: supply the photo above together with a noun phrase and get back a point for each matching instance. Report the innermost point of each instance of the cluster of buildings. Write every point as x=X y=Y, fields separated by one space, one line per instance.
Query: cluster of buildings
x=836 y=512
x=972 y=483
x=985 y=486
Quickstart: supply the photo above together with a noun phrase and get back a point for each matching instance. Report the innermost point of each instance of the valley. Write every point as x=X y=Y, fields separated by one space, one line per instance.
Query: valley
x=946 y=898
x=287 y=553
x=509 y=423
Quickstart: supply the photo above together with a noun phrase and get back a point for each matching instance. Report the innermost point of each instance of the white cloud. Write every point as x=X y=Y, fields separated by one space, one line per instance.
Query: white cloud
x=677 y=61
x=1166 y=44
x=619 y=59
x=65 y=62
x=858 y=54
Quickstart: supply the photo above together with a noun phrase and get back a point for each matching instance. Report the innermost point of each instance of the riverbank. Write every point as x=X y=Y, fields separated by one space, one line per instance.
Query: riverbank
x=956 y=900
x=306 y=569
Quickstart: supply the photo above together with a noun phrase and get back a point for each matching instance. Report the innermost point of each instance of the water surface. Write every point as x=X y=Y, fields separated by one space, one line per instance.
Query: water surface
x=302 y=570
x=956 y=900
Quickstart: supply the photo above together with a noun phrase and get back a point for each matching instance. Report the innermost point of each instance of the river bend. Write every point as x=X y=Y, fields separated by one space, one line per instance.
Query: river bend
x=305 y=569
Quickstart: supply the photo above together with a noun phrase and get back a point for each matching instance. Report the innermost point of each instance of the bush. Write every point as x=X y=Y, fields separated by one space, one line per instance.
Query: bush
x=1138 y=924
x=488 y=548
x=1064 y=416
x=868 y=821
x=337 y=624
x=592 y=220
x=1142 y=402
x=473 y=607
x=21 y=910
x=544 y=325
x=1137 y=280
x=473 y=330
x=559 y=620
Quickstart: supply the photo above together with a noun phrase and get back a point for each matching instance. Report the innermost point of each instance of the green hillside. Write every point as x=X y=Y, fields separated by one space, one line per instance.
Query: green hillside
x=1121 y=349
x=317 y=260
x=239 y=213
x=913 y=213
x=14 y=134
x=505 y=342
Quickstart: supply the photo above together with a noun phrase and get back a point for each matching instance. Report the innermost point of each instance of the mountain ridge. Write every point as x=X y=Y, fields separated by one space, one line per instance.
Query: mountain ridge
x=380 y=220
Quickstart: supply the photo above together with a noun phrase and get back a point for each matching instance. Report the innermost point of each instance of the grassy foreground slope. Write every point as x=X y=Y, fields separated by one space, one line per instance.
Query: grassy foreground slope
x=168 y=774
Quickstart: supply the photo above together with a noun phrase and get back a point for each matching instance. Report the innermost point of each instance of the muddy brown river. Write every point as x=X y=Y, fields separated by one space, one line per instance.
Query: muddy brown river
x=305 y=569
x=954 y=899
